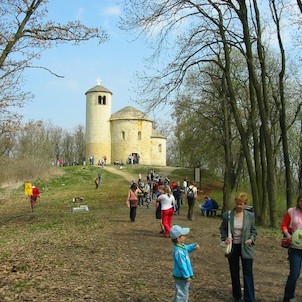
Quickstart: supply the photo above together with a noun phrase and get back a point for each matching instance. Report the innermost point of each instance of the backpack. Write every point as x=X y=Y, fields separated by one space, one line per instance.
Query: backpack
x=214 y=204
x=190 y=193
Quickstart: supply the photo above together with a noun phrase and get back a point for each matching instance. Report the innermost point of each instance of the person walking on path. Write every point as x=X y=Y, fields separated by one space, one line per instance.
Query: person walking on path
x=185 y=185
x=191 y=197
x=132 y=200
x=182 y=270
x=177 y=195
x=243 y=230
x=100 y=177
x=96 y=181
x=291 y=222
x=167 y=202
x=34 y=196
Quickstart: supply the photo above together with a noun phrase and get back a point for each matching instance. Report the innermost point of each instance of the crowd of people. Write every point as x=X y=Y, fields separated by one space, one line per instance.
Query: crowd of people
x=168 y=197
x=237 y=228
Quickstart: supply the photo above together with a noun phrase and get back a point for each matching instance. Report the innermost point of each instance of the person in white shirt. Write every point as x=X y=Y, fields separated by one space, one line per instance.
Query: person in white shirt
x=191 y=198
x=185 y=185
x=167 y=202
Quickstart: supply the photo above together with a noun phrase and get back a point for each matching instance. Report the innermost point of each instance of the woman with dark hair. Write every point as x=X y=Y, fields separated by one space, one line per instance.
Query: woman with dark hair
x=132 y=200
x=167 y=201
x=291 y=222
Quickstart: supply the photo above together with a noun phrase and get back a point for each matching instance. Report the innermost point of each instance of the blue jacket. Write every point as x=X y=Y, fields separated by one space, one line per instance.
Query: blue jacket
x=182 y=265
x=208 y=205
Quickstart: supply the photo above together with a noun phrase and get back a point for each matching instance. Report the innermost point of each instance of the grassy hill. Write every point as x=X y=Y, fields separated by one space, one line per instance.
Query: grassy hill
x=57 y=255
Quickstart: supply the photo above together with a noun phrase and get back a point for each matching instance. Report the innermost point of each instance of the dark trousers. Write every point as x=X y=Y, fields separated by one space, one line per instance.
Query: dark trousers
x=295 y=260
x=191 y=203
x=248 y=279
x=178 y=203
x=132 y=213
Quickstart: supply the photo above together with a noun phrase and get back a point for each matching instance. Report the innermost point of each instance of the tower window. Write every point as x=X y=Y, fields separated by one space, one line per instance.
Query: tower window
x=123 y=136
x=102 y=100
x=139 y=135
x=160 y=148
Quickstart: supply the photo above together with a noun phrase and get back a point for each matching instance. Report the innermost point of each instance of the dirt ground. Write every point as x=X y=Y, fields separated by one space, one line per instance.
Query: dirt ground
x=212 y=280
x=110 y=259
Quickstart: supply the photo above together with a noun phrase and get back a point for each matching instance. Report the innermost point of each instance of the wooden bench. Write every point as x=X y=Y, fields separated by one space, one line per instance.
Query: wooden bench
x=218 y=212
x=212 y=213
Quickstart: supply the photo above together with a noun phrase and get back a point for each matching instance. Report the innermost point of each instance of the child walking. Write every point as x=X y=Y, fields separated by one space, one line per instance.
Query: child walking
x=182 y=271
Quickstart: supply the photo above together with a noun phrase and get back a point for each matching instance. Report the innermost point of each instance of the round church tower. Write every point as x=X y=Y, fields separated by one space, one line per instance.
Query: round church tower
x=98 y=112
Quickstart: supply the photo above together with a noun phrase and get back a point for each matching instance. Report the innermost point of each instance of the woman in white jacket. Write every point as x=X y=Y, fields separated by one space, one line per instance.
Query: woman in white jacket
x=167 y=201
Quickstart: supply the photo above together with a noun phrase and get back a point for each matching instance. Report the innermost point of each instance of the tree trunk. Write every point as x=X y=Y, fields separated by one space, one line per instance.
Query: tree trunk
x=262 y=101
x=282 y=111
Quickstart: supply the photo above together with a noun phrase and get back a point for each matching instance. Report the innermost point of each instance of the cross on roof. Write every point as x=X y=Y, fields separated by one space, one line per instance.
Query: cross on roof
x=98 y=81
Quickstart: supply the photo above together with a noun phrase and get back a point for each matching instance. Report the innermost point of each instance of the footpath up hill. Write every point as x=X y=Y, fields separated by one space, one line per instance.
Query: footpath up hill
x=55 y=255
x=131 y=176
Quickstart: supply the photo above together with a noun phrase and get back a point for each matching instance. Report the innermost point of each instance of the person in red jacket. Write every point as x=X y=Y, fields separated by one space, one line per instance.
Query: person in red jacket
x=33 y=198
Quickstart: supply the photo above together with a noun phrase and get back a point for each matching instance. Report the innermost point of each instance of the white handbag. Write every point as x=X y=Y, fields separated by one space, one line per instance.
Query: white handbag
x=227 y=248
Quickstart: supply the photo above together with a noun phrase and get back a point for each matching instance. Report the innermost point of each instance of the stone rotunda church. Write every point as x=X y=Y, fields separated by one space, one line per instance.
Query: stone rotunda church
x=118 y=136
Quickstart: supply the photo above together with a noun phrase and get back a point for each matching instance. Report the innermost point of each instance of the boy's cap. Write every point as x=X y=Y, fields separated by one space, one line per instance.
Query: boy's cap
x=177 y=231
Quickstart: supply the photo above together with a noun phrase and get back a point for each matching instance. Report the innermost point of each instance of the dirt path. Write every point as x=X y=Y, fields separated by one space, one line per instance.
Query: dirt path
x=116 y=170
x=212 y=282
x=122 y=172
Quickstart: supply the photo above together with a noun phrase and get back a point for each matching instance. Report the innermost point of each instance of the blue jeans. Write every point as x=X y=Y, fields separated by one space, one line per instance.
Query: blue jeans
x=181 y=291
x=295 y=260
x=248 y=279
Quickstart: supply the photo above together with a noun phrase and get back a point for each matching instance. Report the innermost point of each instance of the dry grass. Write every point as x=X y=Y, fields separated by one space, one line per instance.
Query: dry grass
x=14 y=172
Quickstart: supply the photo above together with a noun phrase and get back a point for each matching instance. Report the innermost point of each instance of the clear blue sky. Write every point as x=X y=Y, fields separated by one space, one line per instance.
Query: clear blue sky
x=62 y=101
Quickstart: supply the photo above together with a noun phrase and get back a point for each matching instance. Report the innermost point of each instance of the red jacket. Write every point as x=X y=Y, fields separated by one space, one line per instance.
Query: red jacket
x=292 y=220
x=35 y=192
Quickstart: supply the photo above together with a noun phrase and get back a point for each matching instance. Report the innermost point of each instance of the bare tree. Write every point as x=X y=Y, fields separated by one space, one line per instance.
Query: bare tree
x=25 y=32
x=79 y=141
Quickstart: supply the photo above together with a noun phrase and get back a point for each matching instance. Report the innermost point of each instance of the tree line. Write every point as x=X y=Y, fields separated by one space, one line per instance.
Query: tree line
x=30 y=152
x=234 y=83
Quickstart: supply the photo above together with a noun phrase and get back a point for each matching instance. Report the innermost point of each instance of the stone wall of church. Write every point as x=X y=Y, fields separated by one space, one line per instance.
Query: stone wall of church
x=131 y=136
x=158 y=153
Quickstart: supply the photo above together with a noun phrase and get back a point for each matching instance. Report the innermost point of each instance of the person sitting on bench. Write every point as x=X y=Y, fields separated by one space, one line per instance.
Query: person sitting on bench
x=207 y=206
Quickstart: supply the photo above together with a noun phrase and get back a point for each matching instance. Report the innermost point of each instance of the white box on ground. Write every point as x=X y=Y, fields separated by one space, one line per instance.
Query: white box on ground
x=82 y=208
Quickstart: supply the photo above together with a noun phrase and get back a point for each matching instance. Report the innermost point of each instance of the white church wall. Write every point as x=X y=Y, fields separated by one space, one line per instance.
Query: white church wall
x=97 y=137
x=131 y=136
x=158 y=155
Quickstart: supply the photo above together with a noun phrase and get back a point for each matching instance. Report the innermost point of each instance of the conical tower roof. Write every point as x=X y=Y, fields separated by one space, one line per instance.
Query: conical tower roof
x=98 y=88
x=157 y=134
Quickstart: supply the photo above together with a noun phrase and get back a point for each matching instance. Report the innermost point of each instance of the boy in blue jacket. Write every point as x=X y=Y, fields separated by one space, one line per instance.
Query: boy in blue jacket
x=182 y=271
